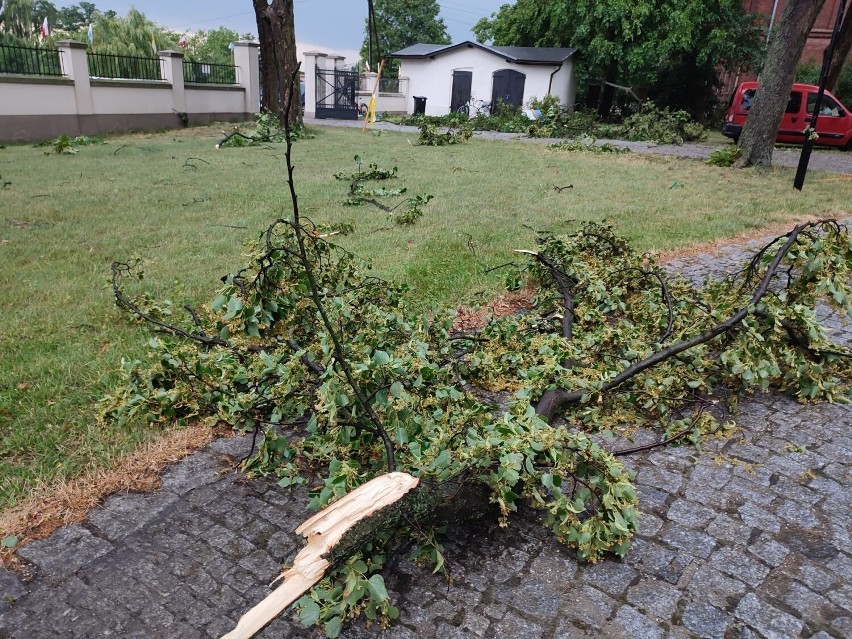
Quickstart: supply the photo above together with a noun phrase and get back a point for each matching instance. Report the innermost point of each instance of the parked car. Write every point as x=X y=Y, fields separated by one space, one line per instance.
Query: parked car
x=834 y=124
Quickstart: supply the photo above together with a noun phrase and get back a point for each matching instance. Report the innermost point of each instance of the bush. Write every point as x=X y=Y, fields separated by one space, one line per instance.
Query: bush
x=809 y=74
x=725 y=157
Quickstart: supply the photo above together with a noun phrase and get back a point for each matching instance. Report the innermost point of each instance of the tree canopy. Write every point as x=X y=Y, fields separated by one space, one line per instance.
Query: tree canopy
x=638 y=43
x=401 y=23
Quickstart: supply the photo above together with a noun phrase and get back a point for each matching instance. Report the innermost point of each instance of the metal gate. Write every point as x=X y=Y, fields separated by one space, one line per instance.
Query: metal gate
x=336 y=94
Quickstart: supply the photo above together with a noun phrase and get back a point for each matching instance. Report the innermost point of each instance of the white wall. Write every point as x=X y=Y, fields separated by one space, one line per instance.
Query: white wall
x=434 y=78
x=144 y=98
x=49 y=97
x=213 y=100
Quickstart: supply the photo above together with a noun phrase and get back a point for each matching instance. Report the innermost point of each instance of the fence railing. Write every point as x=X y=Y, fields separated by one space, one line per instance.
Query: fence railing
x=124 y=67
x=29 y=60
x=386 y=85
x=205 y=73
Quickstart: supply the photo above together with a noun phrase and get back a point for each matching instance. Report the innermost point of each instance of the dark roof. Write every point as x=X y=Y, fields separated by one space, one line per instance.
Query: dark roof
x=521 y=55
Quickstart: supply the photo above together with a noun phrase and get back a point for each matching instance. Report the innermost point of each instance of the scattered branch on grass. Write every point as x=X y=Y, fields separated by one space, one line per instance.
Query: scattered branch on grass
x=559 y=189
x=132 y=146
x=188 y=165
x=196 y=200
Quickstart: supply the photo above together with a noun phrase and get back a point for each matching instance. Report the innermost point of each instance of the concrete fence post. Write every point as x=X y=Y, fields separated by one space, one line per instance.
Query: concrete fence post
x=75 y=65
x=172 y=62
x=247 y=61
x=313 y=60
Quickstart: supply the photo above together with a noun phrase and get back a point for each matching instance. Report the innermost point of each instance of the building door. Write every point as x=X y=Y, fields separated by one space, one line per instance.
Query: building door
x=462 y=81
x=508 y=87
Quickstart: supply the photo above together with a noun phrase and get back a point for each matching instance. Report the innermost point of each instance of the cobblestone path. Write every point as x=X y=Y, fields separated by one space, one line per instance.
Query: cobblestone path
x=751 y=538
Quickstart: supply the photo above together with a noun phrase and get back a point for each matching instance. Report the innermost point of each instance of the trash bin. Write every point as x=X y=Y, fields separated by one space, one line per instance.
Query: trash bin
x=419 y=105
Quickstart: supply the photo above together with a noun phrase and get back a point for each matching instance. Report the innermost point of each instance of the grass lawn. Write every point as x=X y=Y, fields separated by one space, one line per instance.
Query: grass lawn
x=65 y=218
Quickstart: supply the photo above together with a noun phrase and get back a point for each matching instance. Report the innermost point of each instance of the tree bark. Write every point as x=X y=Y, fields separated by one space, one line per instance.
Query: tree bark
x=841 y=51
x=277 y=34
x=784 y=50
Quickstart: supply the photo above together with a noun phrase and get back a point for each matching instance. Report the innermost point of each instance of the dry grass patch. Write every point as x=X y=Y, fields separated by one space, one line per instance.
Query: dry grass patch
x=69 y=502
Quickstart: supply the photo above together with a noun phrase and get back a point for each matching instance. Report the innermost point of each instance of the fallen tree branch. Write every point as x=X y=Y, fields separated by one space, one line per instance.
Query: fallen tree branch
x=325 y=532
x=558 y=399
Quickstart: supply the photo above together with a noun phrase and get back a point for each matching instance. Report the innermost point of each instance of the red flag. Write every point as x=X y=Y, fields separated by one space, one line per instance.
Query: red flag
x=45 y=29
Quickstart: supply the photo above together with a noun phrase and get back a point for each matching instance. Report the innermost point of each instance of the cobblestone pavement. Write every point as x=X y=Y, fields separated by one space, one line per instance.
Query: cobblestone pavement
x=821 y=160
x=749 y=539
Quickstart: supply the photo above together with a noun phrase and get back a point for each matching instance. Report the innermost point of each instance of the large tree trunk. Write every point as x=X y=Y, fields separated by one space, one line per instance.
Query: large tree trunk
x=841 y=51
x=784 y=50
x=277 y=34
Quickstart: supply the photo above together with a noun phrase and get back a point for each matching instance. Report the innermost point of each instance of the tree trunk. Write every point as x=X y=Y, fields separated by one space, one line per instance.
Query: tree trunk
x=784 y=50
x=608 y=93
x=841 y=51
x=277 y=34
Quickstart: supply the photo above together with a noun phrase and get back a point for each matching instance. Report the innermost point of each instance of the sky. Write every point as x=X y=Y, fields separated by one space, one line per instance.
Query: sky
x=326 y=25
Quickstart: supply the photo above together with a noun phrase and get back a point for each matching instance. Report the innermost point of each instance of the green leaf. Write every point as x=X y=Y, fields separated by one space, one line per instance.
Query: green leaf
x=380 y=358
x=9 y=542
x=376 y=584
x=333 y=627
x=309 y=612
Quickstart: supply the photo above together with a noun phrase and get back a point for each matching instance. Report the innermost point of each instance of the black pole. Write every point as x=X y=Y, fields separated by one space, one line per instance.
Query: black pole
x=810 y=130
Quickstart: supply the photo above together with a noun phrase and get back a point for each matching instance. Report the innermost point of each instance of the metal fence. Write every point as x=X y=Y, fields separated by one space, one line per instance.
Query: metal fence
x=205 y=73
x=29 y=60
x=386 y=85
x=124 y=67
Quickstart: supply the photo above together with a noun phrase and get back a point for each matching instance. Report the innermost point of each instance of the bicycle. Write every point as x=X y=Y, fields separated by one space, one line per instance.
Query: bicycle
x=474 y=107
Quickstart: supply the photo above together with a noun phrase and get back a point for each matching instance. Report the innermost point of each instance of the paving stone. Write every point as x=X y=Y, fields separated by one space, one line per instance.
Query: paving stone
x=11 y=588
x=194 y=471
x=655 y=598
x=706 y=621
x=759 y=518
x=767 y=620
x=725 y=528
x=692 y=542
x=648 y=524
x=587 y=605
x=514 y=626
x=636 y=625
x=660 y=478
x=770 y=551
x=690 y=514
x=65 y=551
x=842 y=596
x=715 y=588
x=737 y=564
x=610 y=576
x=123 y=514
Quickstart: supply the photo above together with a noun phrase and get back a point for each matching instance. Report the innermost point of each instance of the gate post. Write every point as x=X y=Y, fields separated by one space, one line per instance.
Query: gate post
x=247 y=61
x=313 y=59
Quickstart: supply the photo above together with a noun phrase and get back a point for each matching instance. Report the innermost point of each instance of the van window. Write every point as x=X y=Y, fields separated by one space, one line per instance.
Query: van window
x=794 y=104
x=829 y=105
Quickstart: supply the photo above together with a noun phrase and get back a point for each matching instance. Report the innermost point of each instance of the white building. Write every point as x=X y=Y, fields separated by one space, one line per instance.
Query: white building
x=449 y=75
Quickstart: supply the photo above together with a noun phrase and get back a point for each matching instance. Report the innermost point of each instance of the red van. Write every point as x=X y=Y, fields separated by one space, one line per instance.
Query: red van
x=834 y=125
